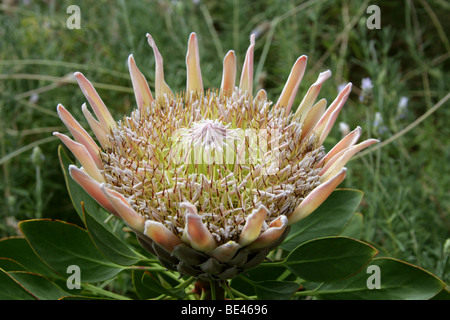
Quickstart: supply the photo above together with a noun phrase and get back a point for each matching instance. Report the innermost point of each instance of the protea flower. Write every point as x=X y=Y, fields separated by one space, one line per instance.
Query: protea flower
x=211 y=180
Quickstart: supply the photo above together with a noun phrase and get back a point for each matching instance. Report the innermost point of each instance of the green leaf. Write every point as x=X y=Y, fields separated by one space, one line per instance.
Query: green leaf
x=61 y=245
x=142 y=291
x=329 y=259
x=242 y=286
x=354 y=229
x=398 y=281
x=275 y=290
x=77 y=193
x=444 y=294
x=108 y=243
x=264 y=272
x=153 y=284
x=38 y=285
x=11 y=289
x=8 y=264
x=328 y=220
x=19 y=250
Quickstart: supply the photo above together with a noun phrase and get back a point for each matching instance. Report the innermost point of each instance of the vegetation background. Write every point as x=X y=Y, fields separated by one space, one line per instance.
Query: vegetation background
x=406 y=179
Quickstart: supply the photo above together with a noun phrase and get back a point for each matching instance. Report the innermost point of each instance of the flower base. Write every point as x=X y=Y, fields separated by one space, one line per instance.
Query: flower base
x=193 y=263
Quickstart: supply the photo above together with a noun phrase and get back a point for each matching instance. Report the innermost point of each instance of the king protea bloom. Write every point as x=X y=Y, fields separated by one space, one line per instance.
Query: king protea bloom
x=210 y=180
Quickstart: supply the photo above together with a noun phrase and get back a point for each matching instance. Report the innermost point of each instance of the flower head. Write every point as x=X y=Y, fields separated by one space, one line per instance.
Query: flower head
x=211 y=180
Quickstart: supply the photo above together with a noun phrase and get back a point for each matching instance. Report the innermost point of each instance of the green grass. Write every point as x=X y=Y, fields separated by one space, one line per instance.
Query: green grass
x=406 y=180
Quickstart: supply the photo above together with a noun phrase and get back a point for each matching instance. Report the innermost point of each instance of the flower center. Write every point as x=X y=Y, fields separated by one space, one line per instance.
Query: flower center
x=210 y=134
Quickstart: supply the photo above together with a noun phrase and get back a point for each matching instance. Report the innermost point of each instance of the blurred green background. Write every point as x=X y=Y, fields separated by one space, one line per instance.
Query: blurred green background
x=405 y=180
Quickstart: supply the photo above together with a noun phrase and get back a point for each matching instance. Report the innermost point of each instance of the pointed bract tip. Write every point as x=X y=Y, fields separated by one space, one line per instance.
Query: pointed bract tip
x=72 y=167
x=161 y=235
x=323 y=76
x=314 y=199
x=92 y=187
x=197 y=233
x=229 y=54
x=272 y=234
x=150 y=40
x=131 y=62
x=124 y=209
x=252 y=227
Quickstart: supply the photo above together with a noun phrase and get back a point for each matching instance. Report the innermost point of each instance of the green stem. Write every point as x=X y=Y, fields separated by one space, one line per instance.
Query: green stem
x=203 y=295
x=160 y=297
x=154 y=269
x=240 y=294
x=182 y=285
x=38 y=192
x=212 y=286
x=284 y=275
x=210 y=290
x=105 y=293
x=226 y=288
x=210 y=23
x=304 y=293
x=26 y=148
x=185 y=283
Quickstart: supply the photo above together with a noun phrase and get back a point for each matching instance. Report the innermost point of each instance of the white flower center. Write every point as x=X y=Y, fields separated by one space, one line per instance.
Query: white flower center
x=210 y=134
